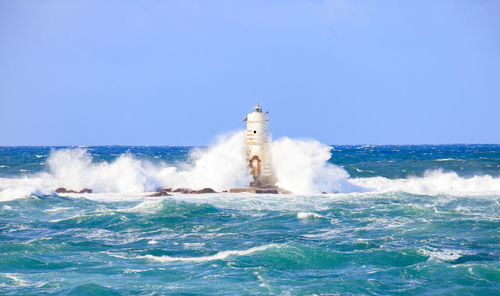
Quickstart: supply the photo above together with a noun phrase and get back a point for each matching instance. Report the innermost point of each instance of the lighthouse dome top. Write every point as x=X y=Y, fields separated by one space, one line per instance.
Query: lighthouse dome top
x=257 y=108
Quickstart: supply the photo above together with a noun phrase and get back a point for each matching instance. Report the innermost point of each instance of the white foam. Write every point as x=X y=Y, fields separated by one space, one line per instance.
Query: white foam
x=218 y=256
x=220 y=167
x=434 y=183
x=302 y=167
x=193 y=245
x=252 y=204
x=445 y=159
x=441 y=254
x=308 y=215
x=323 y=234
x=134 y=271
x=14 y=188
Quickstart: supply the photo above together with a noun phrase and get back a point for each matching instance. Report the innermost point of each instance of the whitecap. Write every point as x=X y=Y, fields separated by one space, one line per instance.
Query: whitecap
x=441 y=254
x=56 y=209
x=447 y=159
x=434 y=183
x=218 y=256
x=193 y=245
x=308 y=215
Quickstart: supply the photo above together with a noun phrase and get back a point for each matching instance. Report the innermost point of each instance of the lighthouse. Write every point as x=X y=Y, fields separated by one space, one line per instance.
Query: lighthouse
x=259 y=154
x=258 y=150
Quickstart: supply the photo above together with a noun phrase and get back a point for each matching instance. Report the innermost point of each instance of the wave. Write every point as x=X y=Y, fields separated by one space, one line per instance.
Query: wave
x=435 y=182
x=441 y=254
x=220 y=167
x=16 y=278
x=218 y=256
x=301 y=167
x=308 y=215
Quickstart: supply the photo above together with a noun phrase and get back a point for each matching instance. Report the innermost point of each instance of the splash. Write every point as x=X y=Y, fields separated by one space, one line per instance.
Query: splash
x=219 y=166
x=434 y=183
x=302 y=167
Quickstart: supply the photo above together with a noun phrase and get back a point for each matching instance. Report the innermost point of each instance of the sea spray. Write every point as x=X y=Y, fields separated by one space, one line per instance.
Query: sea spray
x=434 y=182
x=219 y=166
x=74 y=168
x=381 y=242
x=302 y=167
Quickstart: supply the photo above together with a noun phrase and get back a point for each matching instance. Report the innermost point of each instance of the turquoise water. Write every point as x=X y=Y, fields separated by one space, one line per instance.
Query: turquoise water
x=424 y=237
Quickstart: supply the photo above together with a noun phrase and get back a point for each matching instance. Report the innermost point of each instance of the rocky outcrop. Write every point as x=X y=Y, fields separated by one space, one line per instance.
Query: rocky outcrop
x=182 y=190
x=166 y=191
x=64 y=190
x=204 y=190
x=162 y=192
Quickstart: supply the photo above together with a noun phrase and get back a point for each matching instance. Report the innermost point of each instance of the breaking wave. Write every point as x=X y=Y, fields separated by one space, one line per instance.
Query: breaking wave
x=218 y=256
x=220 y=166
x=434 y=183
x=301 y=167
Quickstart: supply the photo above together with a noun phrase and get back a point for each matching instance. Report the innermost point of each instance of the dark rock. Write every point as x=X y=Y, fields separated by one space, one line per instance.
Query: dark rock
x=183 y=190
x=204 y=190
x=189 y=191
x=64 y=190
x=162 y=192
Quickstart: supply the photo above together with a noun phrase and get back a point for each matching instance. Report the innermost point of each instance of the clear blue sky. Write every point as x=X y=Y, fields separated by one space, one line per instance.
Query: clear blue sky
x=180 y=72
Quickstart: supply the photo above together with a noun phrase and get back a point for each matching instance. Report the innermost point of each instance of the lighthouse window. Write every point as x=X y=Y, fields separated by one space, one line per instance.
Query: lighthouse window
x=254 y=132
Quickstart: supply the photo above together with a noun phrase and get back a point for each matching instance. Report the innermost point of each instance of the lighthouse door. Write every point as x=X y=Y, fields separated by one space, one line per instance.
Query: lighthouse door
x=255 y=165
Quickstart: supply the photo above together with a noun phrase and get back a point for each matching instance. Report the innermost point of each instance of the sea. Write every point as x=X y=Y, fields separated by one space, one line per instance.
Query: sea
x=360 y=220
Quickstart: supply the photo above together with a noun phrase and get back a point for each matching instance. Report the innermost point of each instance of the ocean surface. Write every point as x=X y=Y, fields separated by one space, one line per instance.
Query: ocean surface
x=395 y=220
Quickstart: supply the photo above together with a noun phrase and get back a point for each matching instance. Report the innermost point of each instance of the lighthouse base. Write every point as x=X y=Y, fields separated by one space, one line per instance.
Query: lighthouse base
x=269 y=189
x=264 y=182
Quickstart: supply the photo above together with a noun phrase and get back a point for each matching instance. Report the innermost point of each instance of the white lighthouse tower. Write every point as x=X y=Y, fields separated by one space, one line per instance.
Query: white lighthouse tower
x=258 y=154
